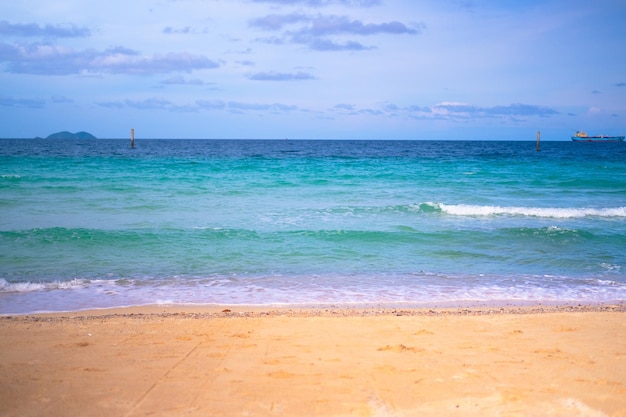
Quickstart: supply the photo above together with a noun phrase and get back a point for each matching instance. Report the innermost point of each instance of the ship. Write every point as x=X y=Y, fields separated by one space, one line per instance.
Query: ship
x=581 y=136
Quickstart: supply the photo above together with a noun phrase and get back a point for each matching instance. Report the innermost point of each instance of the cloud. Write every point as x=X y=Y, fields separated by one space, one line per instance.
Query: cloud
x=48 y=31
x=446 y=111
x=279 y=76
x=272 y=40
x=318 y=3
x=236 y=105
x=49 y=59
x=518 y=109
x=323 y=25
x=156 y=64
x=179 y=80
x=621 y=84
x=333 y=25
x=328 y=45
x=156 y=103
x=210 y=104
x=284 y=107
x=21 y=102
x=150 y=104
x=315 y=31
x=512 y=110
x=420 y=109
x=168 y=30
x=596 y=92
x=277 y=21
x=240 y=107
x=371 y=112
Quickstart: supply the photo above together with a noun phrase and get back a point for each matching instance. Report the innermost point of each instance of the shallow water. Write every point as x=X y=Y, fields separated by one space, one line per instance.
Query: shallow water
x=91 y=224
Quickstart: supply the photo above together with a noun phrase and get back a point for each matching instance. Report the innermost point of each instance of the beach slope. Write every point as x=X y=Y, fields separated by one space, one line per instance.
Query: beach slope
x=167 y=361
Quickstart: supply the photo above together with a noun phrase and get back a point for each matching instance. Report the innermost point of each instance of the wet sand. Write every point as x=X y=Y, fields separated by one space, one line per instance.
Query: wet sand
x=239 y=361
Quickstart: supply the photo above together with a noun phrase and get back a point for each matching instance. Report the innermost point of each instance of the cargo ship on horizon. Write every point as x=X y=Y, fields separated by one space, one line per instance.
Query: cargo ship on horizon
x=581 y=136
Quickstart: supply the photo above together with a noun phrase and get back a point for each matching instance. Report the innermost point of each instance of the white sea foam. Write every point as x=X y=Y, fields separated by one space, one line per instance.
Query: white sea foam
x=271 y=290
x=23 y=287
x=553 y=212
x=6 y=287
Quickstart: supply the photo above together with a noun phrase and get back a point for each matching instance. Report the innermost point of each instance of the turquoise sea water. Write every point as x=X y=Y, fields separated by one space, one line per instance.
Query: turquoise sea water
x=92 y=224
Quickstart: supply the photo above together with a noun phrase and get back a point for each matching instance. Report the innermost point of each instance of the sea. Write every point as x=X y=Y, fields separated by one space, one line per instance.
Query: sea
x=92 y=224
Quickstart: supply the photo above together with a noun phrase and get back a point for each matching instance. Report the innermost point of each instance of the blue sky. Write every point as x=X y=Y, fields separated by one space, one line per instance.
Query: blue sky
x=328 y=69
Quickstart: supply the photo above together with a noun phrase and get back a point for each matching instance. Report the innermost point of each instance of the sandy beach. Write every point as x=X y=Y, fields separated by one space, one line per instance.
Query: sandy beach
x=238 y=361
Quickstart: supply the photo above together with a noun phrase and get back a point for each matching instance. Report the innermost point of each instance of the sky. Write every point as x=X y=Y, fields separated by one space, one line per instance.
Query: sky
x=313 y=69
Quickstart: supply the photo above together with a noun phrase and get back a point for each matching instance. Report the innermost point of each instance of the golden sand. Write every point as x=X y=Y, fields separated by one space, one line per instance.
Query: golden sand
x=237 y=361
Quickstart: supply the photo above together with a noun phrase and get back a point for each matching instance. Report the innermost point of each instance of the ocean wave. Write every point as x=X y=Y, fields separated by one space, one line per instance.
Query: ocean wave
x=551 y=212
x=29 y=286
x=551 y=232
x=416 y=288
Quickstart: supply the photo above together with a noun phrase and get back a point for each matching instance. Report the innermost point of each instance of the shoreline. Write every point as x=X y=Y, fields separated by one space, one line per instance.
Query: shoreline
x=337 y=309
x=336 y=361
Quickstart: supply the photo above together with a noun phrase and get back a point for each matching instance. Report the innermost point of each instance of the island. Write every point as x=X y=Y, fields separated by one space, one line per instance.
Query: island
x=70 y=135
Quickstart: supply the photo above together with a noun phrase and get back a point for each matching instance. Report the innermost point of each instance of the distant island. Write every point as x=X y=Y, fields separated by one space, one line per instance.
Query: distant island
x=70 y=135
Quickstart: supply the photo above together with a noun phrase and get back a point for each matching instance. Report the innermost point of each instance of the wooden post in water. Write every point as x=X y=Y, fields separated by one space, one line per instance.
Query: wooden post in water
x=132 y=138
x=538 y=147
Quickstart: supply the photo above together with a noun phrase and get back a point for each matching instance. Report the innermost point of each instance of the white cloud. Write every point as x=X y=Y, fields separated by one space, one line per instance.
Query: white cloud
x=8 y=29
x=50 y=59
x=281 y=76
x=317 y=31
x=30 y=103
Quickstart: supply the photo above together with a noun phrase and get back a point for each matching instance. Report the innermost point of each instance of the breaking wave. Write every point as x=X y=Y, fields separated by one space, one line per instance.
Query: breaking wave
x=30 y=286
x=552 y=212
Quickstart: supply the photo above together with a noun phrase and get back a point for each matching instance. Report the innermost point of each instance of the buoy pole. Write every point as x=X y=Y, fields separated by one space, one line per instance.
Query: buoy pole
x=538 y=147
x=132 y=138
